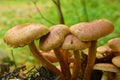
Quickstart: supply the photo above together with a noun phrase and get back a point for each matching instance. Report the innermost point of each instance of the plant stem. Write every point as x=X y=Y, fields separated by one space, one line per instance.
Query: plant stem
x=35 y=4
x=91 y=60
x=42 y=60
x=60 y=14
x=13 y=58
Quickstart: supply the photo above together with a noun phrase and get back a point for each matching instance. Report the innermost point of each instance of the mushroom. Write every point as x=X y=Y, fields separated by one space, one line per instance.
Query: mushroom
x=54 y=41
x=117 y=76
x=116 y=62
x=103 y=51
x=22 y=35
x=91 y=31
x=104 y=54
x=114 y=44
x=71 y=42
x=106 y=68
x=52 y=58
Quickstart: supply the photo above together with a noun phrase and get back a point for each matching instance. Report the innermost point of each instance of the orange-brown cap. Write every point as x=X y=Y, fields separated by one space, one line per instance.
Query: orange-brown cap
x=55 y=38
x=116 y=61
x=50 y=56
x=103 y=51
x=24 y=34
x=114 y=44
x=106 y=67
x=88 y=31
x=71 y=42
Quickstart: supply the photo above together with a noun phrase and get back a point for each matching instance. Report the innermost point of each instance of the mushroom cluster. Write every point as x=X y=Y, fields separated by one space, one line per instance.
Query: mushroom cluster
x=67 y=45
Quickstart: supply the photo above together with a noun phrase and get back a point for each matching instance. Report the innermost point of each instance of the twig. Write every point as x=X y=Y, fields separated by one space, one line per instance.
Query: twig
x=30 y=70
x=35 y=4
x=60 y=14
x=85 y=10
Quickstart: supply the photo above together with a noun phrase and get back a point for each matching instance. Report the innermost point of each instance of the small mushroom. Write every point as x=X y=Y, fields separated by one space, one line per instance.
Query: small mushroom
x=50 y=56
x=103 y=51
x=22 y=35
x=91 y=31
x=104 y=54
x=116 y=61
x=106 y=68
x=71 y=42
x=114 y=44
x=54 y=41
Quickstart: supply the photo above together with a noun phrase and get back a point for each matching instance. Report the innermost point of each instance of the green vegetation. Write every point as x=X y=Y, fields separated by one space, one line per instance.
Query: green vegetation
x=15 y=12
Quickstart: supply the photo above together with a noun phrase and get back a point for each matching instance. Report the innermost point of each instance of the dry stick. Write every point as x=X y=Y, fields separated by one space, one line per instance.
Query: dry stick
x=85 y=10
x=77 y=65
x=44 y=61
x=91 y=60
x=60 y=14
x=63 y=63
x=41 y=13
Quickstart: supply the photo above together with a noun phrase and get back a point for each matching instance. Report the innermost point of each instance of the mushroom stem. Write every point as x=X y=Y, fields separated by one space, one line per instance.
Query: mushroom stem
x=91 y=60
x=42 y=60
x=77 y=67
x=104 y=76
x=63 y=63
x=117 y=76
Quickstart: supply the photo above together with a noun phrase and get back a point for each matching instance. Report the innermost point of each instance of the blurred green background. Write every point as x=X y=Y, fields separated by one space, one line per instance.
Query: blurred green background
x=16 y=12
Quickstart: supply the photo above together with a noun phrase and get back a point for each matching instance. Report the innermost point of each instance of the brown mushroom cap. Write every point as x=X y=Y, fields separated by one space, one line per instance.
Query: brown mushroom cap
x=24 y=34
x=116 y=61
x=103 y=51
x=50 y=56
x=114 y=44
x=88 y=31
x=55 y=38
x=71 y=42
x=106 y=67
